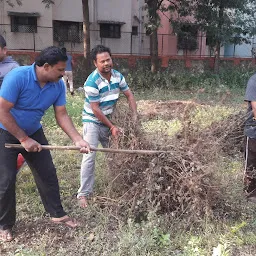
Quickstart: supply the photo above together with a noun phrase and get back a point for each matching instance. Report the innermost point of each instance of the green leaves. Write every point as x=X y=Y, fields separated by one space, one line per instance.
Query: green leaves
x=220 y=19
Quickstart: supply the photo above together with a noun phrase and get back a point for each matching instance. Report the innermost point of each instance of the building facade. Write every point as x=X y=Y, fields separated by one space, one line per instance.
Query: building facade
x=189 y=42
x=26 y=26
x=118 y=24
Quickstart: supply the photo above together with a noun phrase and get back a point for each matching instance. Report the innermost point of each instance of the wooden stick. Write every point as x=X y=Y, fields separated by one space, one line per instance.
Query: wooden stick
x=110 y=150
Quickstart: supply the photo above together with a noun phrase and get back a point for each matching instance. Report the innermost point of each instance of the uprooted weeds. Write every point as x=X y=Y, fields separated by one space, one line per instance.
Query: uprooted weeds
x=181 y=183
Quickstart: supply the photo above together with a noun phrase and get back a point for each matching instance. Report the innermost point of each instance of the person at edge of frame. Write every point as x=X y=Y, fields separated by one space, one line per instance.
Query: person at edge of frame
x=7 y=63
x=250 y=141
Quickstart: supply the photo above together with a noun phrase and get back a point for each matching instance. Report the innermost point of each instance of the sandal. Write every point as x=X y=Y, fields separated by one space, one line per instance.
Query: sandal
x=82 y=201
x=6 y=235
x=67 y=221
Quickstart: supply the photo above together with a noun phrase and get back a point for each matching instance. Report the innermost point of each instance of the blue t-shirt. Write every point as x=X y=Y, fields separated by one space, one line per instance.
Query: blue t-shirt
x=20 y=87
x=69 y=63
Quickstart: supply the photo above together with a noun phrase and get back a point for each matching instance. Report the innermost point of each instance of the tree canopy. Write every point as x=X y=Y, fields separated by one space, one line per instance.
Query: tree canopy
x=222 y=20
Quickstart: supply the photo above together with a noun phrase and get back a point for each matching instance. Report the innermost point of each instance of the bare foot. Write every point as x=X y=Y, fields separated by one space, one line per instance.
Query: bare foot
x=82 y=201
x=6 y=235
x=66 y=220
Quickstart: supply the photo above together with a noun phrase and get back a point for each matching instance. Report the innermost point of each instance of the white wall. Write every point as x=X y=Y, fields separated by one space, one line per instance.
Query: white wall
x=140 y=45
x=25 y=41
x=70 y=10
x=112 y=10
x=116 y=10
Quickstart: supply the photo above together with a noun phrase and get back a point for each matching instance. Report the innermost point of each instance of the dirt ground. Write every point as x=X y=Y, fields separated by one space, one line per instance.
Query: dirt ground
x=152 y=109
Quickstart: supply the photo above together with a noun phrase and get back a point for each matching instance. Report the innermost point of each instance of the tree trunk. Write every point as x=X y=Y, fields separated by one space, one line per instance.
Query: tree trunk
x=217 y=58
x=154 y=51
x=218 y=43
x=86 y=30
x=153 y=7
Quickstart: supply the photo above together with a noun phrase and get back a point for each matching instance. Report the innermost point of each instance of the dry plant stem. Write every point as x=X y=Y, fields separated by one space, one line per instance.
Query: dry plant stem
x=111 y=182
x=125 y=193
x=105 y=198
x=182 y=183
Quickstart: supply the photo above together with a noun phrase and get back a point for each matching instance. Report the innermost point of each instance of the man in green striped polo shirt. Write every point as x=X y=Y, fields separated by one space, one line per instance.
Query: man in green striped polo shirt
x=102 y=89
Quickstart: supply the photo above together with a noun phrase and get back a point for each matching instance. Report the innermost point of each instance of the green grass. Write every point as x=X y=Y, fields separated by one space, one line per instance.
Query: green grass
x=162 y=127
x=205 y=116
x=103 y=232
x=211 y=95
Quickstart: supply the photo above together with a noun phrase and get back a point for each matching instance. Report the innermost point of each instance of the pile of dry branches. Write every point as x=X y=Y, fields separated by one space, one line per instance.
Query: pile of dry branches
x=181 y=183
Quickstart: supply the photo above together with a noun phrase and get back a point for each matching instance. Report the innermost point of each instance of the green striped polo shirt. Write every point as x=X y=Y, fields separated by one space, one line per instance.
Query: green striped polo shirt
x=98 y=89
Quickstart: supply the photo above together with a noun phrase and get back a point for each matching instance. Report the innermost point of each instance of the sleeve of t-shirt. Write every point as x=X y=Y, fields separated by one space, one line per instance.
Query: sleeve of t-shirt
x=123 y=85
x=61 y=100
x=15 y=65
x=91 y=91
x=11 y=87
x=250 y=94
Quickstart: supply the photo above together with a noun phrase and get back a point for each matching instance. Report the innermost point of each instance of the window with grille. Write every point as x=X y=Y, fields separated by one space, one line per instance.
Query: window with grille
x=67 y=31
x=110 y=30
x=134 y=30
x=24 y=24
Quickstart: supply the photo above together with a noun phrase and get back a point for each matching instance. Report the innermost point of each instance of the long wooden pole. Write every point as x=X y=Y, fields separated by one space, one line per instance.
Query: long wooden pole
x=109 y=150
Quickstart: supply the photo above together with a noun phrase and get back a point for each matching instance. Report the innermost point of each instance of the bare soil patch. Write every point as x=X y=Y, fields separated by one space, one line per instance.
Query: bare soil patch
x=155 y=109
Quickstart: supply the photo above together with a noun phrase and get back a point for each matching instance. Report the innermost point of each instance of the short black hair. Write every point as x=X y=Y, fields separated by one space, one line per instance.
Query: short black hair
x=51 y=55
x=2 y=42
x=64 y=50
x=99 y=49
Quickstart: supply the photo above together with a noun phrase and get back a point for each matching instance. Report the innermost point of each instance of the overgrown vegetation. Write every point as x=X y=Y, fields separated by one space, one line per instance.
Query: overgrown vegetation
x=112 y=224
x=174 y=79
x=222 y=21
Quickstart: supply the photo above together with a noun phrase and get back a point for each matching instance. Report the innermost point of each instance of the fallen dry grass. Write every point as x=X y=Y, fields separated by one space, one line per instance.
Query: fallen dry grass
x=182 y=183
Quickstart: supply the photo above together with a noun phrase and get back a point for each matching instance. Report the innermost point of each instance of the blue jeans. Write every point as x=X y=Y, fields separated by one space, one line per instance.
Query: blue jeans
x=94 y=134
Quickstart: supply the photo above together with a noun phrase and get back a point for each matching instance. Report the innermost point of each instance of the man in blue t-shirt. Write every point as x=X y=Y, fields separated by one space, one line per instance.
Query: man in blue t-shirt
x=68 y=76
x=26 y=93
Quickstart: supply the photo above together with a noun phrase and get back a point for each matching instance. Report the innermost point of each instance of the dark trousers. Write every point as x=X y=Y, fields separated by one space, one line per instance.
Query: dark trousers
x=43 y=171
x=250 y=166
